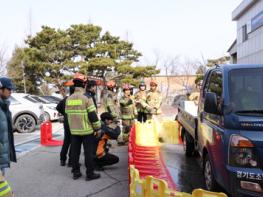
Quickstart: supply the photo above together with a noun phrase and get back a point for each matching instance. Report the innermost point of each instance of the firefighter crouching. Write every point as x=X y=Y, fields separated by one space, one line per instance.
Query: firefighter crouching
x=127 y=109
x=111 y=104
x=154 y=100
x=110 y=131
x=84 y=127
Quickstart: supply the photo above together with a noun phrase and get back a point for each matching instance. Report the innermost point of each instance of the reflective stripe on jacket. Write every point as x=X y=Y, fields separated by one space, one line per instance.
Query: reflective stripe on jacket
x=5 y=189
x=127 y=108
x=81 y=112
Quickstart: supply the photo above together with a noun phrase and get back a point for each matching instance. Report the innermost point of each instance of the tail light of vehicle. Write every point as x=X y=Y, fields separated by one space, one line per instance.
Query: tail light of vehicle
x=241 y=152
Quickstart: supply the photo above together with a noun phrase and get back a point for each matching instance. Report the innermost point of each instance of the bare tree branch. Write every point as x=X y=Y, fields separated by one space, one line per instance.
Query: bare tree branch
x=157 y=55
x=204 y=61
x=185 y=71
x=168 y=65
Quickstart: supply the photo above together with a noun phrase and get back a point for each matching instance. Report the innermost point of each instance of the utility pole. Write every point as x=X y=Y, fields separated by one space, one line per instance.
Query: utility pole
x=24 y=75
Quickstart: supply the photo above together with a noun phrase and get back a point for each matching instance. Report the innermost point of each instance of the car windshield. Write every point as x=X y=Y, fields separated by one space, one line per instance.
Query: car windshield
x=51 y=99
x=40 y=100
x=246 y=90
x=31 y=99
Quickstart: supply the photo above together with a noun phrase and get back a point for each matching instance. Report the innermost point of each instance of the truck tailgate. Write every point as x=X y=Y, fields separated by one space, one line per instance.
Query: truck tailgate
x=187 y=116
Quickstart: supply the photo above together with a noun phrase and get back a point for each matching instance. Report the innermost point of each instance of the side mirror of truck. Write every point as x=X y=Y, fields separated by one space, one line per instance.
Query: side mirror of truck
x=210 y=104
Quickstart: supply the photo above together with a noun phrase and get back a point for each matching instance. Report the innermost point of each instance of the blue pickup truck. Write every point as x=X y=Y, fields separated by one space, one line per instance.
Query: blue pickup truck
x=227 y=129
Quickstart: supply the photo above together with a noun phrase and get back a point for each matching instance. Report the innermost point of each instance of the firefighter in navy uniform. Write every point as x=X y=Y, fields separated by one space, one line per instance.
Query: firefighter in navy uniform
x=84 y=126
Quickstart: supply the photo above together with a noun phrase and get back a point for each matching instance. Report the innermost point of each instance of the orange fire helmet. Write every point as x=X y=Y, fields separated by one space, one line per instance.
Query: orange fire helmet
x=68 y=83
x=80 y=77
x=126 y=87
x=153 y=83
x=110 y=84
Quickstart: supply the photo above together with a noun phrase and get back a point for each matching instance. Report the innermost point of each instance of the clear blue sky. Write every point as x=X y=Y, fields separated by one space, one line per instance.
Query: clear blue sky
x=172 y=27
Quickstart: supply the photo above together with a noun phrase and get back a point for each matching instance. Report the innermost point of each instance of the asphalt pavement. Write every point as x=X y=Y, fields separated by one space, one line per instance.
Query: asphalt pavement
x=186 y=172
x=38 y=174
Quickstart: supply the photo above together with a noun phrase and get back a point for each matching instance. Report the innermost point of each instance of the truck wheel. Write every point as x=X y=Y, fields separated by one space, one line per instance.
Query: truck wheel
x=188 y=143
x=210 y=181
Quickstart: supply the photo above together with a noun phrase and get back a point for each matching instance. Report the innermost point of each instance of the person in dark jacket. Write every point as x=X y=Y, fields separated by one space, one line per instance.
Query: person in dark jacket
x=67 y=136
x=91 y=91
x=7 y=146
x=110 y=130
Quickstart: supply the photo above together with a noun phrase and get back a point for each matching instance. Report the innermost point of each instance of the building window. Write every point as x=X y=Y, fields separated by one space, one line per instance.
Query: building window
x=244 y=33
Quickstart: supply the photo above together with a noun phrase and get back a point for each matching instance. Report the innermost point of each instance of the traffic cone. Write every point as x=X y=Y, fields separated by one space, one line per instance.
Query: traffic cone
x=46 y=135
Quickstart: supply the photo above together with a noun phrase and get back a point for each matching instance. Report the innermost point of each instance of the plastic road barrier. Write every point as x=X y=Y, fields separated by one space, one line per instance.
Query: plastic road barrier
x=153 y=187
x=170 y=132
x=147 y=134
x=149 y=176
x=203 y=193
x=144 y=152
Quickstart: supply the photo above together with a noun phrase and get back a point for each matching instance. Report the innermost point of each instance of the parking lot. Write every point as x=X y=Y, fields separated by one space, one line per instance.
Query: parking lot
x=36 y=159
